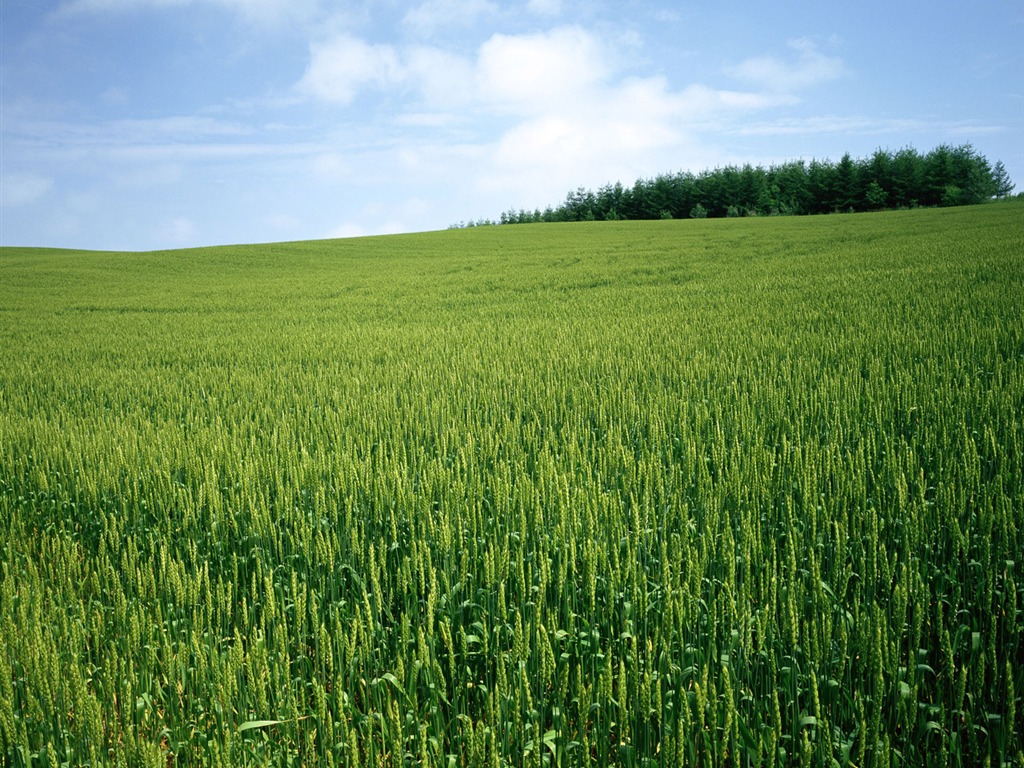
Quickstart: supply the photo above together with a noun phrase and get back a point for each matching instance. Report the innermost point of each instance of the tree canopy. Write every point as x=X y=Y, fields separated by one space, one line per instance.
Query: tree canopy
x=945 y=176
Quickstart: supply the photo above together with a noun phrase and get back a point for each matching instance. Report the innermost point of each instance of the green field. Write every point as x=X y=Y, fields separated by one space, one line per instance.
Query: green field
x=715 y=492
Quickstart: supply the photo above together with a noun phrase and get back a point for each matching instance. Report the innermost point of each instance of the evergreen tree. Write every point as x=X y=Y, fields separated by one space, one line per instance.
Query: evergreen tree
x=938 y=176
x=821 y=178
x=906 y=169
x=878 y=175
x=1001 y=180
x=752 y=181
x=876 y=196
x=845 y=185
x=945 y=176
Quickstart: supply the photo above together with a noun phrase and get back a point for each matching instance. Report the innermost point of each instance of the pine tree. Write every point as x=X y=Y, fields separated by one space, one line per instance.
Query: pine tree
x=1001 y=179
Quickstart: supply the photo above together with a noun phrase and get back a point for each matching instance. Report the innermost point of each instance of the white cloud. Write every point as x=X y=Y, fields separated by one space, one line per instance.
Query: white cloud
x=534 y=73
x=427 y=17
x=810 y=67
x=511 y=74
x=565 y=72
x=624 y=131
x=339 y=68
x=577 y=121
x=23 y=188
x=528 y=116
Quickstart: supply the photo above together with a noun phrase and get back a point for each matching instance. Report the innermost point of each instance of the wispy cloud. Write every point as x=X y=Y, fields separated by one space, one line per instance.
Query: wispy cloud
x=444 y=80
x=263 y=11
x=545 y=7
x=859 y=125
x=429 y=16
x=23 y=188
x=141 y=151
x=819 y=124
x=100 y=6
x=173 y=130
x=806 y=67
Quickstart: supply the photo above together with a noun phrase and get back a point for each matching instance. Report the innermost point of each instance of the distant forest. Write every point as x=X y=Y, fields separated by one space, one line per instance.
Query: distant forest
x=945 y=176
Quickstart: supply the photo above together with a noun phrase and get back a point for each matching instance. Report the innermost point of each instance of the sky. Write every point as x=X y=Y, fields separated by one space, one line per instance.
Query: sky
x=151 y=124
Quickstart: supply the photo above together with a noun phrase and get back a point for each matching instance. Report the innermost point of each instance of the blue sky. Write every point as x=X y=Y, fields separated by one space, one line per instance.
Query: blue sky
x=145 y=124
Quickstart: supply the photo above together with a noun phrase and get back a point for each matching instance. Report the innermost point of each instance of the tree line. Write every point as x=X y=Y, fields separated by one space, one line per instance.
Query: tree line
x=945 y=176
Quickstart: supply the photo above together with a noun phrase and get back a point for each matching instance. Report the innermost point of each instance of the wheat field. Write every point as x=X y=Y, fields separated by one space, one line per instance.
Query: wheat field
x=711 y=492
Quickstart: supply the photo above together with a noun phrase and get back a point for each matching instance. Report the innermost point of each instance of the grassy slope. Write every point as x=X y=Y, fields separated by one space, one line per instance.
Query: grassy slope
x=694 y=424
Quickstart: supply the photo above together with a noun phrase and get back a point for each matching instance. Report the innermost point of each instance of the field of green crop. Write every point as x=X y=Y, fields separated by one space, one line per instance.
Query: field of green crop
x=717 y=492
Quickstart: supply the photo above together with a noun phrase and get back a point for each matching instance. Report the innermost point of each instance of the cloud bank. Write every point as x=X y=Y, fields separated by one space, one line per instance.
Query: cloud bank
x=545 y=109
